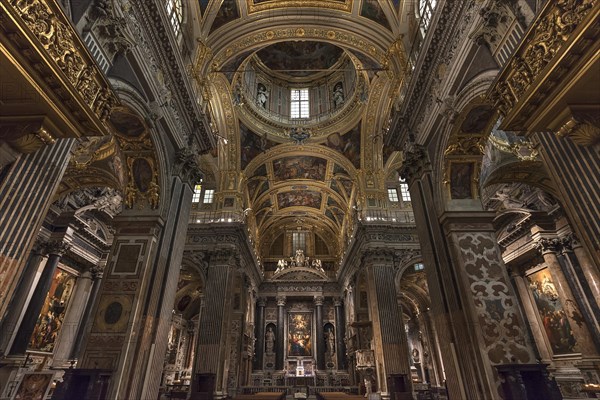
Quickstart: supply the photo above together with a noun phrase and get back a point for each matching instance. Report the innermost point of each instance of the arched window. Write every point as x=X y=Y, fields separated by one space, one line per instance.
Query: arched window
x=425 y=11
x=175 y=14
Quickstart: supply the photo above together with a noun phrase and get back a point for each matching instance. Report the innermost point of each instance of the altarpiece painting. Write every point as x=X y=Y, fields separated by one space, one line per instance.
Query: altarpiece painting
x=300 y=334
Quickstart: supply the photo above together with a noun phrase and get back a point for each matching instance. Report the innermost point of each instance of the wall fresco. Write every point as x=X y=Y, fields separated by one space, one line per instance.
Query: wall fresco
x=347 y=144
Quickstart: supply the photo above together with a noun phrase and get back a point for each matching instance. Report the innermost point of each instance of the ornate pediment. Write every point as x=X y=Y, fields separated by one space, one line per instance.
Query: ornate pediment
x=300 y=274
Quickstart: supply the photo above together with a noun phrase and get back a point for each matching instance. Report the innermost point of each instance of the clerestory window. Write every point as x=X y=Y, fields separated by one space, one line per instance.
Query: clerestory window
x=404 y=190
x=426 y=8
x=299 y=103
x=197 y=194
x=175 y=15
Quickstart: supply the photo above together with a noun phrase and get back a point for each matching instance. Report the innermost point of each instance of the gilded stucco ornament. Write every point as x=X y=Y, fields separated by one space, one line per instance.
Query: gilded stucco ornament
x=264 y=37
x=343 y=5
x=544 y=41
x=50 y=26
x=143 y=184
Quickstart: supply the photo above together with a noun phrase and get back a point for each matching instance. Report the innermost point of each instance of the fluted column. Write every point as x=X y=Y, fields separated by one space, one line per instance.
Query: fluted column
x=320 y=339
x=280 y=340
x=260 y=332
x=340 y=333
x=18 y=304
x=549 y=248
x=458 y=346
x=55 y=249
x=26 y=193
x=389 y=336
x=574 y=171
x=215 y=320
x=473 y=303
x=135 y=304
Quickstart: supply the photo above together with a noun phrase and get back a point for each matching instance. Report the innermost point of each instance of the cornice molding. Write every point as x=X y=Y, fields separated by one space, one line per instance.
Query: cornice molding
x=441 y=47
x=184 y=109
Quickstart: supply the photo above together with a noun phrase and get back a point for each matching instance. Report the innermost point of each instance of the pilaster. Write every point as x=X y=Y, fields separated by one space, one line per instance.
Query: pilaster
x=279 y=344
x=211 y=352
x=388 y=328
x=22 y=210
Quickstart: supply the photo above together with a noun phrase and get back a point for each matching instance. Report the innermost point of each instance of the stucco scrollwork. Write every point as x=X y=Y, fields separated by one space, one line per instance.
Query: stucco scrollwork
x=544 y=41
x=49 y=25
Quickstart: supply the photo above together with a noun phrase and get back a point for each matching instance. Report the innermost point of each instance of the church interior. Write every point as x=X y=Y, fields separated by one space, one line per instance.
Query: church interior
x=301 y=199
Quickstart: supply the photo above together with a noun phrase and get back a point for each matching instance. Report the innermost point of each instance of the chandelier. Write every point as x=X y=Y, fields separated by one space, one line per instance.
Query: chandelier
x=299 y=261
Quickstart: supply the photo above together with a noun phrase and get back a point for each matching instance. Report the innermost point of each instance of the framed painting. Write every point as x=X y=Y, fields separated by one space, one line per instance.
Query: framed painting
x=461 y=180
x=299 y=334
x=34 y=386
x=52 y=314
x=551 y=312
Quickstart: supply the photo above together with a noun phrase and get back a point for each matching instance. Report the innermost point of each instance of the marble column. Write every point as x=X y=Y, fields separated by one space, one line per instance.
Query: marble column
x=280 y=340
x=588 y=305
x=574 y=171
x=320 y=339
x=529 y=308
x=474 y=308
x=18 y=304
x=260 y=333
x=22 y=210
x=85 y=325
x=389 y=336
x=549 y=248
x=458 y=345
x=55 y=250
x=72 y=321
x=431 y=351
x=590 y=271
x=340 y=333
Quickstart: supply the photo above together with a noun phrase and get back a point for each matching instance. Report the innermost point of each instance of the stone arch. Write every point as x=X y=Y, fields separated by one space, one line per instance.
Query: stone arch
x=145 y=143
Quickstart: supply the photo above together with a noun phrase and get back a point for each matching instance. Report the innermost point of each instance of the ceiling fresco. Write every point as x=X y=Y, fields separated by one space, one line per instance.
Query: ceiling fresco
x=227 y=13
x=300 y=58
x=299 y=167
x=372 y=9
x=299 y=198
x=261 y=5
x=316 y=181
x=348 y=144
x=251 y=145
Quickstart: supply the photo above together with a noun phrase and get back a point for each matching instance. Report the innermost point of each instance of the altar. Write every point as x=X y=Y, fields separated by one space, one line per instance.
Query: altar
x=300 y=372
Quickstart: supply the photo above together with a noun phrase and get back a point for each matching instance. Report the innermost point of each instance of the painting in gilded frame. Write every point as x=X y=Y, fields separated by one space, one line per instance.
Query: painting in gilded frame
x=552 y=312
x=52 y=314
x=34 y=386
x=299 y=334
